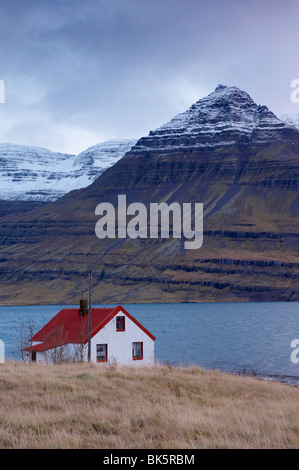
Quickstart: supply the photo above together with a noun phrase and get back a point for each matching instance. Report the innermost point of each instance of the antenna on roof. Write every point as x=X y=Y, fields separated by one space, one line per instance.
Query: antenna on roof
x=89 y=317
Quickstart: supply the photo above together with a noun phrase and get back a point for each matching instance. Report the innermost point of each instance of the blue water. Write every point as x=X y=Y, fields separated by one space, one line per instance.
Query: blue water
x=225 y=336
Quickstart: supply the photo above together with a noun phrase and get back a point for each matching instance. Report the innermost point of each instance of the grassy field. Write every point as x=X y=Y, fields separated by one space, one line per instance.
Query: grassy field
x=90 y=406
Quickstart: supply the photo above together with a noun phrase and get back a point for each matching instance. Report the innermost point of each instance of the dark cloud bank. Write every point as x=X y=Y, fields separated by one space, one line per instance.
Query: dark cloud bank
x=77 y=73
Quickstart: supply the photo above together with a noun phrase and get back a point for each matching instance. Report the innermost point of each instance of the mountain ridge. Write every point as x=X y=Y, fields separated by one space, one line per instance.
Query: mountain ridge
x=227 y=112
x=36 y=174
x=249 y=188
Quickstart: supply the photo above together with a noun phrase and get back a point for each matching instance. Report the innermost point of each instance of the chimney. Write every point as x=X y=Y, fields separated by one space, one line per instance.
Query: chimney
x=83 y=306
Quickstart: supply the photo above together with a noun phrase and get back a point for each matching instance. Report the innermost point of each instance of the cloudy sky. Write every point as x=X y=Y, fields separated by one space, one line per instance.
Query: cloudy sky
x=79 y=72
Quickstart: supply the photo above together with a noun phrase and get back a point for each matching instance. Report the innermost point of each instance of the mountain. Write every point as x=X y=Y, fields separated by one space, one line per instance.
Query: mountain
x=91 y=163
x=292 y=119
x=37 y=174
x=225 y=117
x=225 y=151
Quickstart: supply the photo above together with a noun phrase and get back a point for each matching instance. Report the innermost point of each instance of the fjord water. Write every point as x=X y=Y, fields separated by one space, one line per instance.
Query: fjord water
x=226 y=336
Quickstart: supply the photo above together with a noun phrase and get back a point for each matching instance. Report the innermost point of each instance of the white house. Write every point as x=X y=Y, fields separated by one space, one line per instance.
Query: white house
x=116 y=336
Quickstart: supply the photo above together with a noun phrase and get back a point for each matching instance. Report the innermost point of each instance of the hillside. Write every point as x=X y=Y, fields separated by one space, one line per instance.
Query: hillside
x=89 y=406
x=234 y=156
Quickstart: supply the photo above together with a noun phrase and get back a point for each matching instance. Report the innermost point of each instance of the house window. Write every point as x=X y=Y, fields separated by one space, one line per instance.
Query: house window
x=137 y=351
x=120 y=323
x=102 y=352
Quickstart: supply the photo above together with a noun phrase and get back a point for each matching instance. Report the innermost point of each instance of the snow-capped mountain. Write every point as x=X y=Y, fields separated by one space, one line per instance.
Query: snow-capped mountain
x=291 y=119
x=90 y=163
x=32 y=173
x=226 y=152
x=225 y=117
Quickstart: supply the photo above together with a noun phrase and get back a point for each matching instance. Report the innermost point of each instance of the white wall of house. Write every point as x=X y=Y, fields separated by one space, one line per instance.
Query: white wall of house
x=120 y=343
x=40 y=357
x=66 y=352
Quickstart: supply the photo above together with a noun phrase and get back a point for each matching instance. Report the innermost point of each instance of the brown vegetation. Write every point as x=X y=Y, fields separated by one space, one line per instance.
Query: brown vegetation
x=91 y=406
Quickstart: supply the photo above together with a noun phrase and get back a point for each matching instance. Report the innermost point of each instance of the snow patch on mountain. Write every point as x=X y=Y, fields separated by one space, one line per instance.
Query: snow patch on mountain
x=291 y=119
x=33 y=173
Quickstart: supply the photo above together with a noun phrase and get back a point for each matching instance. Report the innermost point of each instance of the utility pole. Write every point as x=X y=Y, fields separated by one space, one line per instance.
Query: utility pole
x=89 y=318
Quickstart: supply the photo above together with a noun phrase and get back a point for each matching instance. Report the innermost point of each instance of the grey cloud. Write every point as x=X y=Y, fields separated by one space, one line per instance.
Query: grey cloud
x=121 y=68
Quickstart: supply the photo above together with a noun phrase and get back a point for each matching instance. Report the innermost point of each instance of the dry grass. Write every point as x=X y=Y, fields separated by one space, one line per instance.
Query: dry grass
x=89 y=406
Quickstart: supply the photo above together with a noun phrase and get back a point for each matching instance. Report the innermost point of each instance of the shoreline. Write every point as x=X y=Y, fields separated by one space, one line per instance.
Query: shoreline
x=291 y=380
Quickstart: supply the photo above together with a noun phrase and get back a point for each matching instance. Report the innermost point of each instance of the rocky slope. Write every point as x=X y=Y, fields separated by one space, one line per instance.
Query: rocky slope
x=37 y=174
x=234 y=156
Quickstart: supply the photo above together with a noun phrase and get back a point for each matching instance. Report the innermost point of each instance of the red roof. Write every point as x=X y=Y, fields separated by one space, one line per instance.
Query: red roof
x=69 y=327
